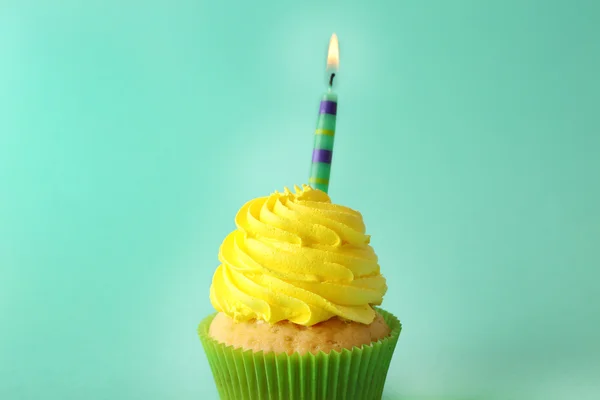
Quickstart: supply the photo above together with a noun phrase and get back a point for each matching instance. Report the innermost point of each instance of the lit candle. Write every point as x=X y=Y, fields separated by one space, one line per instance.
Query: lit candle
x=320 y=169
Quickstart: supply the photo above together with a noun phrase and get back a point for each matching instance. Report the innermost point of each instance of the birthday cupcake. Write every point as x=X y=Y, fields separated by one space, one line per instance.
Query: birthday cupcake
x=295 y=296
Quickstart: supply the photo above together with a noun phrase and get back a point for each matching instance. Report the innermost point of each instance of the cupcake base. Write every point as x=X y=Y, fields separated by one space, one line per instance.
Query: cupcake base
x=356 y=374
x=290 y=338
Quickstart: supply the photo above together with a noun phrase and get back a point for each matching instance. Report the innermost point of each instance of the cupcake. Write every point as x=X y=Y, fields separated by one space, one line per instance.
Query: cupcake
x=295 y=296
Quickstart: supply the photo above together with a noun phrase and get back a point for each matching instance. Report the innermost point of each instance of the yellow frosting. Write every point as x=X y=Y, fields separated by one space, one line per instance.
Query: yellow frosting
x=297 y=257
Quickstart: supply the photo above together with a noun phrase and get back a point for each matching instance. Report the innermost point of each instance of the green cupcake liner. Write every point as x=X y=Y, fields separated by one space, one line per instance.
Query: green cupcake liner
x=357 y=374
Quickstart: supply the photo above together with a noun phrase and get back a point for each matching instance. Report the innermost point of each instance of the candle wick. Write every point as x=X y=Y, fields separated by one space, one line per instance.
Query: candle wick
x=331 y=79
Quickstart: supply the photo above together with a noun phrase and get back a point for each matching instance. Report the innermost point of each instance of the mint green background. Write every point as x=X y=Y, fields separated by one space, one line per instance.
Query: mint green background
x=131 y=132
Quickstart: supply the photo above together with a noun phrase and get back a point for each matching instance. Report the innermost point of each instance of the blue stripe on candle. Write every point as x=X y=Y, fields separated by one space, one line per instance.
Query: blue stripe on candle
x=323 y=156
x=328 y=107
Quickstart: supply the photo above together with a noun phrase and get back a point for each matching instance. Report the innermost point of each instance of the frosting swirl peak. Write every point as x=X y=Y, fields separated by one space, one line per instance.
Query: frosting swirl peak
x=297 y=257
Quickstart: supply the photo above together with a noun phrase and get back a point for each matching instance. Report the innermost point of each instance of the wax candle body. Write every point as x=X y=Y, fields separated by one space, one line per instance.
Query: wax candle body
x=323 y=145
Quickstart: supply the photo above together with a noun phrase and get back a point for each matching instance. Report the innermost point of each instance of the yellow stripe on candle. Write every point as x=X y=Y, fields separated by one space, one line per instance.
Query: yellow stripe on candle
x=322 y=181
x=324 y=132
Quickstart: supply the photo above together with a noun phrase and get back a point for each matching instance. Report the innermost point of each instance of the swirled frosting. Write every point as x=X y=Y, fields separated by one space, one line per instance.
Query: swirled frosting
x=297 y=257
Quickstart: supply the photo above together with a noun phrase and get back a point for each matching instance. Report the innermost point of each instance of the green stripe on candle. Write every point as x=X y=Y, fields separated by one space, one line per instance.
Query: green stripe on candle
x=320 y=170
x=323 y=142
x=326 y=122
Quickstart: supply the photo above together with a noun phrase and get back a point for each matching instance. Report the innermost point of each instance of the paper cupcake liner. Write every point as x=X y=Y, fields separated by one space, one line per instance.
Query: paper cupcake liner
x=355 y=374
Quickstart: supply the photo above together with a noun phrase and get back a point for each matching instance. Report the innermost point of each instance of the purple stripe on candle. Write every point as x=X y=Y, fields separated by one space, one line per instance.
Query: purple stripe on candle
x=323 y=156
x=328 y=107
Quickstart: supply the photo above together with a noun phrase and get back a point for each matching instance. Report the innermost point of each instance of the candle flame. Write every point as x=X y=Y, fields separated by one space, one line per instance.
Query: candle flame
x=333 y=55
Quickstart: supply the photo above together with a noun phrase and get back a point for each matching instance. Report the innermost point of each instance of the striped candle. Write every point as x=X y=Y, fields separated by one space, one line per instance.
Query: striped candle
x=323 y=144
x=320 y=168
